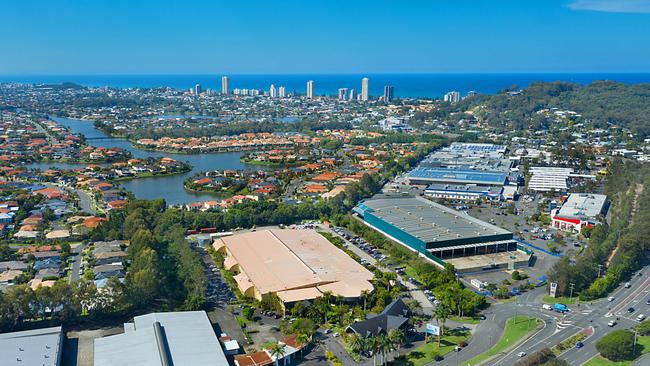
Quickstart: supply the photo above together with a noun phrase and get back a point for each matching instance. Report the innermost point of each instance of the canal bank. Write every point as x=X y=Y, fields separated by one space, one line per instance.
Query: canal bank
x=168 y=187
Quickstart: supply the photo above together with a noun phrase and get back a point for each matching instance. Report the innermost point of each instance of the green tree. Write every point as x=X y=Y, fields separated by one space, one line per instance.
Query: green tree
x=142 y=280
x=617 y=345
x=397 y=338
x=643 y=328
x=248 y=312
x=278 y=352
x=441 y=313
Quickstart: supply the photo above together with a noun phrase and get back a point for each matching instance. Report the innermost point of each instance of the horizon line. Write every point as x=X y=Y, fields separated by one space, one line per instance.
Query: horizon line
x=343 y=73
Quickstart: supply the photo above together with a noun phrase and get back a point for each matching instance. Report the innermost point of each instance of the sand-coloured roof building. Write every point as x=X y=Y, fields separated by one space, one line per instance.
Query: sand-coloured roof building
x=295 y=265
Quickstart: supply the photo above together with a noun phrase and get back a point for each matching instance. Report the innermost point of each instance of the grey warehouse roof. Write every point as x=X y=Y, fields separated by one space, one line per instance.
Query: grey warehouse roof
x=31 y=347
x=185 y=338
x=429 y=221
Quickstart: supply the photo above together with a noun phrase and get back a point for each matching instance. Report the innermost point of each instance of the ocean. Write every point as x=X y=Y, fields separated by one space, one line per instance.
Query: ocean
x=405 y=85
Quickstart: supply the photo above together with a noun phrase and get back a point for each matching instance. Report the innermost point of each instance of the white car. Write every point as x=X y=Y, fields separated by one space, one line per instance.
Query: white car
x=610 y=299
x=611 y=323
x=521 y=354
x=628 y=285
x=640 y=317
x=547 y=307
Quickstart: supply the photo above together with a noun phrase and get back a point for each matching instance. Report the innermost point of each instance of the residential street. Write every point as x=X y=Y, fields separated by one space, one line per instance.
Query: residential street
x=76 y=262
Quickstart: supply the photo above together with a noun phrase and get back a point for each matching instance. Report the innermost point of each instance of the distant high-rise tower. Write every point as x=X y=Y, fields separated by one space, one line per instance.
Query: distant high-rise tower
x=352 y=95
x=225 y=85
x=197 y=89
x=364 y=89
x=343 y=92
x=273 y=92
x=452 y=97
x=282 y=92
x=310 y=89
x=388 y=93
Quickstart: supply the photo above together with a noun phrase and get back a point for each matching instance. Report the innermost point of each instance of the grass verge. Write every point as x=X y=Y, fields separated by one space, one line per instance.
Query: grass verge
x=516 y=330
x=427 y=353
x=643 y=342
x=559 y=300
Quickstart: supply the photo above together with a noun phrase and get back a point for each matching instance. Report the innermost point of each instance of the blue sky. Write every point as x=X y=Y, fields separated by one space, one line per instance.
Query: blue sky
x=314 y=36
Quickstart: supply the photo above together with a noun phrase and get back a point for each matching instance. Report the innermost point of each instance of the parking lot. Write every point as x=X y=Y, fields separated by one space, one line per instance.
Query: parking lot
x=218 y=292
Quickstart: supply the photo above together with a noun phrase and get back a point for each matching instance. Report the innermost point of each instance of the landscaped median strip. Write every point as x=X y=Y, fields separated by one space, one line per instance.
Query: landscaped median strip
x=570 y=342
x=515 y=332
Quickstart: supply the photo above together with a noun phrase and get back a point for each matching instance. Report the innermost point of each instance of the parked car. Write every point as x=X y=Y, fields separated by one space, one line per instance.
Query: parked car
x=611 y=298
x=640 y=317
x=627 y=285
x=630 y=310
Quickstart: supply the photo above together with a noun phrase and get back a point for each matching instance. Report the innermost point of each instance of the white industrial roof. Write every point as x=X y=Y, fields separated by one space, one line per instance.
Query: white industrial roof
x=31 y=347
x=581 y=205
x=188 y=337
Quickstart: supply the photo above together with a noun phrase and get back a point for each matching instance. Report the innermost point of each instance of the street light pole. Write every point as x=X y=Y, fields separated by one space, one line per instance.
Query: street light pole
x=571 y=285
x=515 y=310
x=600 y=267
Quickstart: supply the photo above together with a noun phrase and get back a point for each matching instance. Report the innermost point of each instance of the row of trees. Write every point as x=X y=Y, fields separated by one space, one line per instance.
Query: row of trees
x=163 y=273
x=381 y=344
x=443 y=283
x=627 y=187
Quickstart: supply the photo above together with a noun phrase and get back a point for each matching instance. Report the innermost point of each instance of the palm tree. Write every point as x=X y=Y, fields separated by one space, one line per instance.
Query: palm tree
x=364 y=296
x=384 y=346
x=303 y=341
x=441 y=313
x=356 y=343
x=372 y=344
x=388 y=277
x=397 y=338
x=277 y=350
x=415 y=307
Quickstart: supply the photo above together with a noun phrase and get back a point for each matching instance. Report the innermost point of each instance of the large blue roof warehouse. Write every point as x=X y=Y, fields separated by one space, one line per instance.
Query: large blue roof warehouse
x=427 y=175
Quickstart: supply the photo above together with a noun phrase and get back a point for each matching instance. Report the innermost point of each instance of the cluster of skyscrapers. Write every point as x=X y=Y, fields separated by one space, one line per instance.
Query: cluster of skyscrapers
x=281 y=91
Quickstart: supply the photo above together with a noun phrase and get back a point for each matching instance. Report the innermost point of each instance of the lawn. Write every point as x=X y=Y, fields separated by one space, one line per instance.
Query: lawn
x=427 y=352
x=411 y=272
x=643 y=341
x=515 y=331
x=561 y=300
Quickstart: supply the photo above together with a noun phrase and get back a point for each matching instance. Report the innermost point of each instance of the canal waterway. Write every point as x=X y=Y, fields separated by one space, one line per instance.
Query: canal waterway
x=170 y=187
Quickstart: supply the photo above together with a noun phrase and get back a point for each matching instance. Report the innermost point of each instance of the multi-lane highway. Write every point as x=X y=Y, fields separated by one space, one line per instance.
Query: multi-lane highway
x=557 y=327
x=595 y=315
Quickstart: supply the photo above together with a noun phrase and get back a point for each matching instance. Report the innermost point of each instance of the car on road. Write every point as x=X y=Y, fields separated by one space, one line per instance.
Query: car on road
x=640 y=317
x=611 y=323
x=580 y=345
x=521 y=354
x=482 y=317
x=610 y=299
x=628 y=285
x=647 y=302
x=547 y=307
